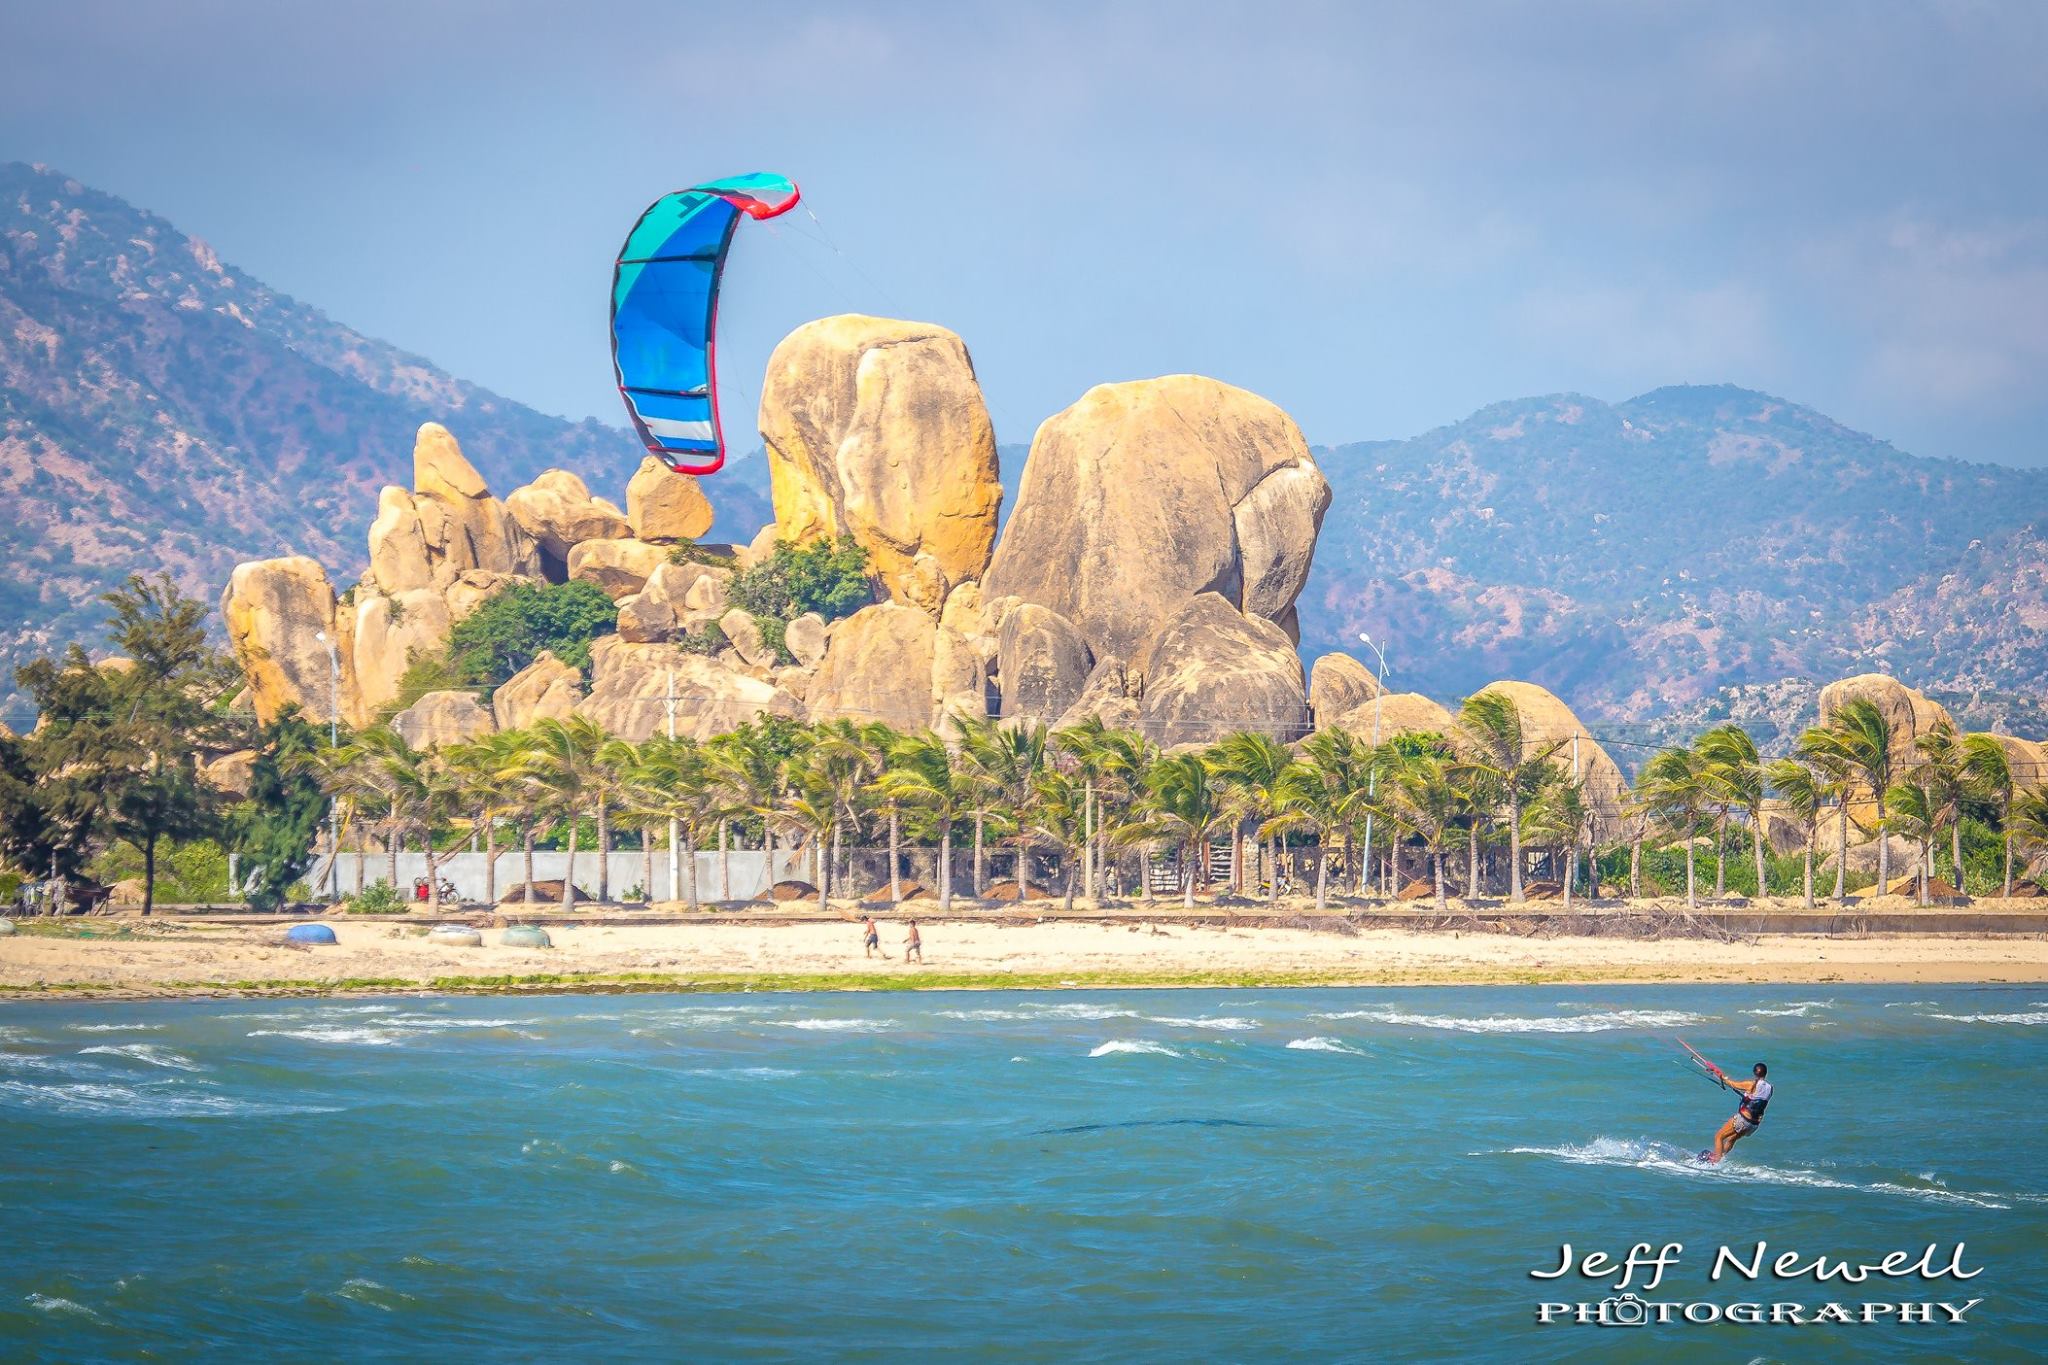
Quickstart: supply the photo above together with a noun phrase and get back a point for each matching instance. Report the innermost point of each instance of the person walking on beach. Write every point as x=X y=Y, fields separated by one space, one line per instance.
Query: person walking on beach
x=1756 y=1094
x=871 y=939
x=913 y=942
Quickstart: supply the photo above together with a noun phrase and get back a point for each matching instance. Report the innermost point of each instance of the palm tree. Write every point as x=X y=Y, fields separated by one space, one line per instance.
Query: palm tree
x=1678 y=794
x=809 y=805
x=1819 y=750
x=1088 y=747
x=1859 y=739
x=1183 y=806
x=1735 y=772
x=1491 y=739
x=1988 y=774
x=747 y=772
x=1918 y=810
x=921 y=775
x=523 y=802
x=1427 y=797
x=1250 y=767
x=2029 y=821
x=475 y=764
x=674 y=781
x=1059 y=816
x=1558 y=814
x=563 y=759
x=1313 y=796
x=1007 y=758
x=1805 y=788
x=345 y=775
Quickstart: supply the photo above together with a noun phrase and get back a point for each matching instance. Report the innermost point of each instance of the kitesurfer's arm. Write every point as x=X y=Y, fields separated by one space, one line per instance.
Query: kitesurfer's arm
x=1740 y=1087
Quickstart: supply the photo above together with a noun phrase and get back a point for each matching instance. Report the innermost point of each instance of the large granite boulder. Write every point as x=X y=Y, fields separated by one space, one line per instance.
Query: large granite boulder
x=447 y=526
x=390 y=632
x=545 y=689
x=276 y=610
x=878 y=665
x=1397 y=713
x=1908 y=711
x=805 y=639
x=441 y=718
x=1109 y=695
x=655 y=612
x=559 y=513
x=876 y=428
x=472 y=586
x=1143 y=495
x=1214 y=671
x=621 y=567
x=664 y=505
x=743 y=633
x=1546 y=719
x=1041 y=661
x=1336 y=684
x=232 y=773
x=629 y=684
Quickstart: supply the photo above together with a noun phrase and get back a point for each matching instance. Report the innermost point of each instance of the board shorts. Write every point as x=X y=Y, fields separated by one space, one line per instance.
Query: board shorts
x=1744 y=1125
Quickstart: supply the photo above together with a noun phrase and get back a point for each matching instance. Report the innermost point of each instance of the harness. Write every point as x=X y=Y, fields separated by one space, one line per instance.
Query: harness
x=1753 y=1104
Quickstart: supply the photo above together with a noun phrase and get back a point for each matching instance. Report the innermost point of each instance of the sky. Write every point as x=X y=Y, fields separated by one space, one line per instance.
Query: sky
x=1381 y=216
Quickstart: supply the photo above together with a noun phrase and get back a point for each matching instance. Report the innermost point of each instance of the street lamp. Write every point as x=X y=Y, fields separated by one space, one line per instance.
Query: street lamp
x=333 y=742
x=1373 y=774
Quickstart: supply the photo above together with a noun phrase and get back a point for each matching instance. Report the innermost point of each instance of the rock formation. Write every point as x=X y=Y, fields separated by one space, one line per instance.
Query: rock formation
x=619 y=566
x=629 y=683
x=545 y=689
x=1143 y=495
x=805 y=639
x=558 y=513
x=1399 y=713
x=1906 y=710
x=1214 y=670
x=1336 y=683
x=876 y=428
x=441 y=718
x=447 y=525
x=1042 y=660
x=886 y=662
x=276 y=611
x=390 y=632
x=664 y=505
x=1545 y=719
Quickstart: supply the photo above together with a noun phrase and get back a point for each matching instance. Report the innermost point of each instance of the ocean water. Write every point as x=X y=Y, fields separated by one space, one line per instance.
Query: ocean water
x=1141 y=1175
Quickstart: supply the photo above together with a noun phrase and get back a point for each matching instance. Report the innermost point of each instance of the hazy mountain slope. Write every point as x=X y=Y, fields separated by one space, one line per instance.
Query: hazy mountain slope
x=159 y=408
x=1640 y=556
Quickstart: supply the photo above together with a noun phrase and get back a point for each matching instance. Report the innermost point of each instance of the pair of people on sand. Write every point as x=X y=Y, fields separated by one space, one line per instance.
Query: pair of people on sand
x=871 y=939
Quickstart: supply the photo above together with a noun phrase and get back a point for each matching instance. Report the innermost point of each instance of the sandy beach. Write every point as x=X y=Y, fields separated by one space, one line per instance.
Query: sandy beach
x=167 y=956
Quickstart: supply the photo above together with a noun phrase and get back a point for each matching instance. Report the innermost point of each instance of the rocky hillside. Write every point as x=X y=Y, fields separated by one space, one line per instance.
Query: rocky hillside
x=1640 y=557
x=159 y=408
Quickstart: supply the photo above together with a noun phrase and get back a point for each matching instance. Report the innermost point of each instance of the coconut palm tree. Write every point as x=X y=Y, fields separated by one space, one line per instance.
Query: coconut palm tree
x=1805 y=788
x=841 y=761
x=809 y=806
x=1491 y=738
x=345 y=774
x=2029 y=821
x=522 y=802
x=1558 y=815
x=1427 y=798
x=1677 y=792
x=1059 y=817
x=1007 y=758
x=475 y=764
x=1820 y=750
x=564 y=760
x=1917 y=808
x=1086 y=746
x=921 y=775
x=746 y=769
x=1250 y=767
x=1735 y=772
x=1182 y=805
x=1859 y=739
x=1311 y=798
x=1987 y=772
x=675 y=783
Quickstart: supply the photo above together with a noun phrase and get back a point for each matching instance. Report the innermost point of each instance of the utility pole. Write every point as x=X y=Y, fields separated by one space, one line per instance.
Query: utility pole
x=333 y=742
x=1372 y=774
x=675 y=830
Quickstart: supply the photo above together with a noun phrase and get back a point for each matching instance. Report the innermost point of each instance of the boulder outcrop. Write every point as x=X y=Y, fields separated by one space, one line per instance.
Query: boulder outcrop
x=655 y=612
x=1042 y=661
x=545 y=689
x=1336 y=683
x=664 y=505
x=462 y=525
x=557 y=511
x=1214 y=671
x=744 y=634
x=1545 y=720
x=876 y=428
x=1399 y=713
x=629 y=683
x=1143 y=495
x=621 y=567
x=277 y=611
x=390 y=632
x=441 y=718
x=878 y=666
x=805 y=639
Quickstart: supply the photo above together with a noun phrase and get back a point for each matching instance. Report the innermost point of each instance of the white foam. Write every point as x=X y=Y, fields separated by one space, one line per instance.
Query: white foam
x=148 y=1053
x=1664 y=1158
x=772 y=1073
x=1077 y=1010
x=1228 y=1024
x=1133 y=1045
x=50 y=1303
x=1324 y=1045
x=1576 y=1023
x=840 y=1025
x=986 y=1016
x=115 y=1028
x=332 y=1033
x=2036 y=1017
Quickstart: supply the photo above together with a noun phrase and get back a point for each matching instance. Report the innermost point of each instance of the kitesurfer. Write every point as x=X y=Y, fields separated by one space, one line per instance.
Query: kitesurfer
x=1756 y=1094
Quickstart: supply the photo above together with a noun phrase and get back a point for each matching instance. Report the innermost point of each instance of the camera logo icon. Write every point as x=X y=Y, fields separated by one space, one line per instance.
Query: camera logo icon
x=1623 y=1310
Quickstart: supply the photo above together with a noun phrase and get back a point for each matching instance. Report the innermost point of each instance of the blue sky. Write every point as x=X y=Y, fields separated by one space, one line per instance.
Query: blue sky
x=1380 y=216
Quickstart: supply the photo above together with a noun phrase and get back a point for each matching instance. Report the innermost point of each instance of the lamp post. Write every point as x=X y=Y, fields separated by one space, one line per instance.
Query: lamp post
x=333 y=742
x=1372 y=775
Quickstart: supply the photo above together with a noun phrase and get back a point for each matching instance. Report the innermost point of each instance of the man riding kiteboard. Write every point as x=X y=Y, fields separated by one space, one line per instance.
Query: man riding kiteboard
x=1756 y=1096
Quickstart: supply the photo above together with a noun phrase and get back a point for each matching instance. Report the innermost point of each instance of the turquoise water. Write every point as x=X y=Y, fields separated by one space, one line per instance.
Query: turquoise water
x=1354 y=1174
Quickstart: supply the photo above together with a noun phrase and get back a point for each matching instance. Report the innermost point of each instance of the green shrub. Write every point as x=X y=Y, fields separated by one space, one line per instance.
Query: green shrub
x=829 y=577
x=378 y=898
x=510 y=628
x=707 y=641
